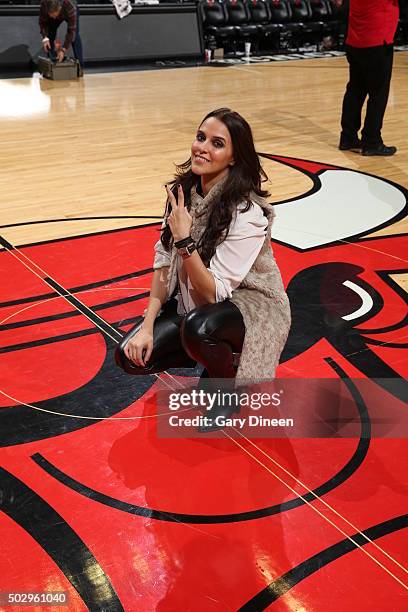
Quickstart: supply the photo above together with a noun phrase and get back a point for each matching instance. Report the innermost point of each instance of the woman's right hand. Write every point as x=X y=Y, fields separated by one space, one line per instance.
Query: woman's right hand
x=139 y=348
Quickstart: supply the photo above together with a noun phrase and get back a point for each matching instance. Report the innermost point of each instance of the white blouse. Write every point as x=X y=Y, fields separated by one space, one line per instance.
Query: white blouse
x=230 y=263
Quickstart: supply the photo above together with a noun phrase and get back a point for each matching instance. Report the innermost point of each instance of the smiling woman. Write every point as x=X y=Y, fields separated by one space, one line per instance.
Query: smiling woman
x=216 y=288
x=211 y=152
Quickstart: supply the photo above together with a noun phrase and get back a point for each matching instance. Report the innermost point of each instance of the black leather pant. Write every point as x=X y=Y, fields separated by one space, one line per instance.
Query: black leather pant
x=209 y=335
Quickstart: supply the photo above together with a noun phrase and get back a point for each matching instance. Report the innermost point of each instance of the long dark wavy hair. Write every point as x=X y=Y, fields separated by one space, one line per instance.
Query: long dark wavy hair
x=244 y=177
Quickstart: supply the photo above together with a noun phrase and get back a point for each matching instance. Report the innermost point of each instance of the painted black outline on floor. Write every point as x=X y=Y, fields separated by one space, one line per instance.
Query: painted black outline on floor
x=74 y=313
x=78 y=288
x=106 y=217
x=314 y=177
x=59 y=541
x=87 y=235
x=106 y=328
x=385 y=276
x=282 y=585
x=69 y=336
x=346 y=471
x=48 y=418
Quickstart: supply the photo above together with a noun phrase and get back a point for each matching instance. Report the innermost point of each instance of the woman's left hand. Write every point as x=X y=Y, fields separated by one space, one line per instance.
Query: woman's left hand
x=180 y=220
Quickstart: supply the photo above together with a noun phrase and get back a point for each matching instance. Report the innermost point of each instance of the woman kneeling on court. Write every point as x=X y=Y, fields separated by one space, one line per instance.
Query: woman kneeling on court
x=216 y=288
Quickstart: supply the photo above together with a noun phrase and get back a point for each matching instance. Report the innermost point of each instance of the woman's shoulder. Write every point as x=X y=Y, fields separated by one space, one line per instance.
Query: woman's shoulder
x=255 y=210
x=248 y=218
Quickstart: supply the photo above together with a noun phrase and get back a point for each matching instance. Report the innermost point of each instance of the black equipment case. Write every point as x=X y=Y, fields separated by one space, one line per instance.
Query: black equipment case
x=58 y=71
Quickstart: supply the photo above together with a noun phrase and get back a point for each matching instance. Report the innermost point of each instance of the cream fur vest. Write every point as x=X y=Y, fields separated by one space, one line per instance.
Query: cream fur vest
x=260 y=297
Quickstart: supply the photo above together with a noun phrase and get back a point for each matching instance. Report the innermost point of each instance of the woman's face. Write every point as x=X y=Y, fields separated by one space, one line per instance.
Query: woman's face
x=211 y=152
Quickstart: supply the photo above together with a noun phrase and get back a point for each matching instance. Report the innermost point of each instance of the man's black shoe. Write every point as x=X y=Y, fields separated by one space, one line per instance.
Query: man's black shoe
x=350 y=146
x=380 y=150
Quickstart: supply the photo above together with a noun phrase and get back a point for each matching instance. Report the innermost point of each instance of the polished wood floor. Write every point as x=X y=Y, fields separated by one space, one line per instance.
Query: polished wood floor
x=104 y=145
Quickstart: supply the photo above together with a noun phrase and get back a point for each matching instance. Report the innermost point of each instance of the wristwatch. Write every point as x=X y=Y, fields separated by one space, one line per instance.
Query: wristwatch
x=188 y=250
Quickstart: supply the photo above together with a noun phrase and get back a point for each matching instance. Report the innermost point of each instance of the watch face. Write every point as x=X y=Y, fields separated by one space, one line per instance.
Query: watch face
x=187 y=251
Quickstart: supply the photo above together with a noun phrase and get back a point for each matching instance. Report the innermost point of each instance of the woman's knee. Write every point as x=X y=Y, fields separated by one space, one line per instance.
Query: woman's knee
x=195 y=326
x=212 y=323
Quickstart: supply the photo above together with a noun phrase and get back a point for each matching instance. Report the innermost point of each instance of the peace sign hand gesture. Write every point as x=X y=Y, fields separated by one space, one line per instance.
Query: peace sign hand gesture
x=180 y=220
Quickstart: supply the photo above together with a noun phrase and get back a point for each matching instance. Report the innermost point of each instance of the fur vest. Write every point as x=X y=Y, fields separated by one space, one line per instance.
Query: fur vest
x=261 y=297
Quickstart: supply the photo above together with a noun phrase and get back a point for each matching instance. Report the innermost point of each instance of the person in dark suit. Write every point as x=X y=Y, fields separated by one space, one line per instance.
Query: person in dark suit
x=369 y=48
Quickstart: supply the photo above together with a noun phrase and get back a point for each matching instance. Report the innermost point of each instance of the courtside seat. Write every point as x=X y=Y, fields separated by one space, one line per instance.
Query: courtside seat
x=302 y=13
x=402 y=31
x=340 y=16
x=336 y=10
x=240 y=17
x=269 y=33
x=215 y=23
x=281 y=16
x=312 y=31
x=261 y=15
x=322 y=12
